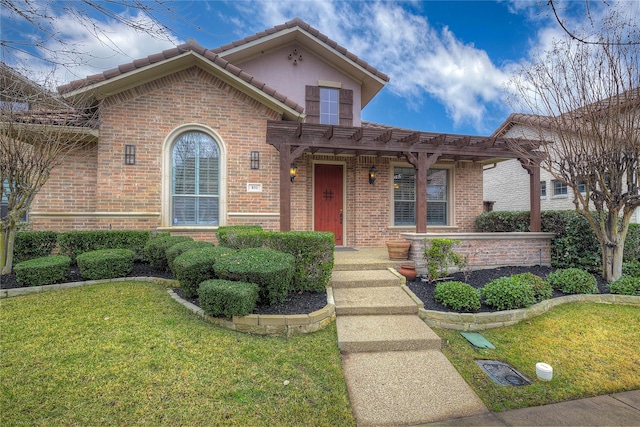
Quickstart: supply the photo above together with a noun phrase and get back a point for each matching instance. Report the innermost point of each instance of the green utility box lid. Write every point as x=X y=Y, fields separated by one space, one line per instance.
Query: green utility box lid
x=477 y=340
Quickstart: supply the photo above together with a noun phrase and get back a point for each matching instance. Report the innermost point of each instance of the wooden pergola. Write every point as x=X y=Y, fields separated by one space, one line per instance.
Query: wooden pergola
x=421 y=149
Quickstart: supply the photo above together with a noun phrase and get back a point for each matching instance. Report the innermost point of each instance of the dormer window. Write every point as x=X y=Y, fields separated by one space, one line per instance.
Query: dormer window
x=329 y=106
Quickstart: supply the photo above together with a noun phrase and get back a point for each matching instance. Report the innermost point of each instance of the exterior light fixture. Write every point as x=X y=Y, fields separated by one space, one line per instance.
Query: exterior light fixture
x=372 y=174
x=293 y=171
x=254 y=162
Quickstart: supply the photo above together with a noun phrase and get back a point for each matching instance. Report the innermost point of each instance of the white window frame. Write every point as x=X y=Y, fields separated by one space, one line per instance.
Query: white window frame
x=327 y=116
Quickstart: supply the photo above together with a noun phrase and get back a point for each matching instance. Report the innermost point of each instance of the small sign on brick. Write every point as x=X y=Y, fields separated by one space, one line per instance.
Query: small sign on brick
x=254 y=188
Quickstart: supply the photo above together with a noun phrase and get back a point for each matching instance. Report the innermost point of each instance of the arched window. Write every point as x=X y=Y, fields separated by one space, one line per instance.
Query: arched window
x=195 y=180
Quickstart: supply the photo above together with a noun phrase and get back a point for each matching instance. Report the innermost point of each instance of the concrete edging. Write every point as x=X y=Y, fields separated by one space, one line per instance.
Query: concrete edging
x=498 y=319
x=261 y=324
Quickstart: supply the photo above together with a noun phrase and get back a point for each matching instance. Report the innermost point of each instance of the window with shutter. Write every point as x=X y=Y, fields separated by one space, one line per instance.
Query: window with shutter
x=404 y=196
x=195 y=180
x=330 y=106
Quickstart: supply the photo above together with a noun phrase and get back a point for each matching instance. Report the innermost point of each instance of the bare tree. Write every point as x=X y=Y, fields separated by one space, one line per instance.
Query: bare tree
x=585 y=99
x=37 y=131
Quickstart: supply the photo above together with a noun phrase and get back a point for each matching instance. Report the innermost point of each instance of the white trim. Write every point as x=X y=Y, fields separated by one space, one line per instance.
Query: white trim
x=274 y=215
x=329 y=84
x=165 y=198
x=95 y=214
x=344 y=194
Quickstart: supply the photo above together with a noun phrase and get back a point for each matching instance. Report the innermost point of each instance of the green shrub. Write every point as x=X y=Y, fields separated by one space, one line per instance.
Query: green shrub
x=507 y=293
x=631 y=268
x=502 y=221
x=155 y=250
x=241 y=236
x=224 y=298
x=542 y=290
x=74 y=243
x=105 y=263
x=632 y=243
x=271 y=270
x=626 y=285
x=33 y=244
x=313 y=254
x=573 y=281
x=197 y=265
x=458 y=296
x=179 y=248
x=439 y=255
x=42 y=271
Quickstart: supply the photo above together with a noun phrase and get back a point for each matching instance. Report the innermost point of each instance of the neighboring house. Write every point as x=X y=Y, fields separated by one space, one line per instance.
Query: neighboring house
x=266 y=130
x=506 y=184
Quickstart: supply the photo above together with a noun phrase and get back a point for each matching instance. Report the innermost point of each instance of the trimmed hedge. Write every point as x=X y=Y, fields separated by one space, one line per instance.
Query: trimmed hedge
x=105 y=263
x=573 y=281
x=626 y=285
x=33 y=244
x=241 y=236
x=42 y=271
x=156 y=248
x=508 y=293
x=224 y=298
x=313 y=254
x=631 y=268
x=458 y=296
x=74 y=243
x=179 y=248
x=197 y=265
x=271 y=270
x=632 y=243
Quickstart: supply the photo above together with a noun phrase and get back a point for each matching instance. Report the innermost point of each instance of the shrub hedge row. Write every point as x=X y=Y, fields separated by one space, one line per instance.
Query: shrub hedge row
x=105 y=263
x=196 y=266
x=42 y=271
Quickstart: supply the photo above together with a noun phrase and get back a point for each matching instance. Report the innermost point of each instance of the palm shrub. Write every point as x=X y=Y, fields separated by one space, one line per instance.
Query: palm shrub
x=271 y=270
x=573 y=281
x=179 y=248
x=155 y=251
x=196 y=266
x=105 y=263
x=42 y=271
x=224 y=298
x=508 y=293
x=458 y=296
x=626 y=285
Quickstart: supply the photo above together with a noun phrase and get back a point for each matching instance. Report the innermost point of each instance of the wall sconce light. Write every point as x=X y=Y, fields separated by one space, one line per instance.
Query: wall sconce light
x=254 y=161
x=129 y=154
x=293 y=171
x=372 y=174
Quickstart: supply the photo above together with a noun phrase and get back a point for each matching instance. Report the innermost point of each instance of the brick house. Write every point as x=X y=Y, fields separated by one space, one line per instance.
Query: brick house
x=266 y=130
x=506 y=184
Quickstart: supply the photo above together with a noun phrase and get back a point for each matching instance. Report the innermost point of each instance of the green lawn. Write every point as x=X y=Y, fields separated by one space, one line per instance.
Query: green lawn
x=593 y=349
x=127 y=354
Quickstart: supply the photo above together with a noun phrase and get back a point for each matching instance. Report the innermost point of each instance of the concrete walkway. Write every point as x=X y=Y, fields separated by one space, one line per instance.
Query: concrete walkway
x=397 y=376
x=393 y=366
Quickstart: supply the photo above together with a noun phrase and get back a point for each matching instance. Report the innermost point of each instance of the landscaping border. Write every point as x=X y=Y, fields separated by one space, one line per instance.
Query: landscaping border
x=259 y=324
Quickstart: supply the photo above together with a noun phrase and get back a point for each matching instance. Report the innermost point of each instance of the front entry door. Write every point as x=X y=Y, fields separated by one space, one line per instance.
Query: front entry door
x=328 y=203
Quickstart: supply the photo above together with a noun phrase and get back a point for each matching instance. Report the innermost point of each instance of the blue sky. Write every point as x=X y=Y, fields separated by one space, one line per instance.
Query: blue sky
x=448 y=60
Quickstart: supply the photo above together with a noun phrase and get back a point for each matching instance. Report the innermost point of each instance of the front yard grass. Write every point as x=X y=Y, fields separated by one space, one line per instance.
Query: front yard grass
x=127 y=354
x=592 y=348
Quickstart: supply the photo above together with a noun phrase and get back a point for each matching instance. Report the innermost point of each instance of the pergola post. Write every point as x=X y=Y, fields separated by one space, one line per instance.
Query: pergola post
x=285 y=188
x=422 y=163
x=533 y=168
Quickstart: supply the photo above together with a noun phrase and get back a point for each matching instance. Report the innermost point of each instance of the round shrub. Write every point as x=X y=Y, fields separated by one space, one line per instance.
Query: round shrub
x=155 y=250
x=507 y=293
x=179 y=248
x=573 y=281
x=458 y=296
x=541 y=288
x=197 y=265
x=271 y=270
x=42 y=271
x=224 y=298
x=105 y=263
x=631 y=268
x=626 y=285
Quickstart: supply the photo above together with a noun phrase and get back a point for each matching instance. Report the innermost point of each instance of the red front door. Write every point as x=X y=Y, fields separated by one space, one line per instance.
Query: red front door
x=328 y=207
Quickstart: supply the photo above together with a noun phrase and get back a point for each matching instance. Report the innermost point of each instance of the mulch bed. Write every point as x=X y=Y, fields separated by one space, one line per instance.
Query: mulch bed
x=307 y=302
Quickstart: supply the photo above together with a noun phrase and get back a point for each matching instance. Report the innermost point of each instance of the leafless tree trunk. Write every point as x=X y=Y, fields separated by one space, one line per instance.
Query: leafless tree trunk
x=37 y=131
x=585 y=99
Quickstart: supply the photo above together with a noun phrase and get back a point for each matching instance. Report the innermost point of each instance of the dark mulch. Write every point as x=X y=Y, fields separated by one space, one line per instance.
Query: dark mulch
x=479 y=278
x=296 y=303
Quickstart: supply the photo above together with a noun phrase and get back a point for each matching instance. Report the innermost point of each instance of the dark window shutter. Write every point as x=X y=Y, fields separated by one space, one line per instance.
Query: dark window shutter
x=312 y=98
x=346 y=107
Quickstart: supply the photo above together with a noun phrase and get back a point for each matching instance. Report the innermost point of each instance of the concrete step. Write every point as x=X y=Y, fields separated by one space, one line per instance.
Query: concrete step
x=406 y=388
x=364 y=279
x=377 y=300
x=385 y=333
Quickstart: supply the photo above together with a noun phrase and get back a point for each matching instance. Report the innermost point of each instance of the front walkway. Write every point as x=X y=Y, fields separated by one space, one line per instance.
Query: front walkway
x=393 y=366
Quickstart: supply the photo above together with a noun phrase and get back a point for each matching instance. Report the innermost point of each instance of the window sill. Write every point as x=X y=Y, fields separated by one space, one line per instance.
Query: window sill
x=560 y=196
x=183 y=228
